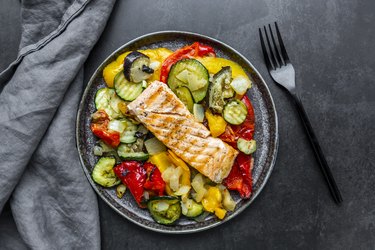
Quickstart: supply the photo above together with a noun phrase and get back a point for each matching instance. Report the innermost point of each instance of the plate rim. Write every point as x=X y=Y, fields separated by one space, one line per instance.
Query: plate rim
x=80 y=110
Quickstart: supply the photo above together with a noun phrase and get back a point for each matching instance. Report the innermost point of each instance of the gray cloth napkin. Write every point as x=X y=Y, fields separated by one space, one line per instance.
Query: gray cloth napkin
x=51 y=201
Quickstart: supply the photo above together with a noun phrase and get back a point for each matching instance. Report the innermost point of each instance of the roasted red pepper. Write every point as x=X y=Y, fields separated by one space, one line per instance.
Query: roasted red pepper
x=240 y=178
x=133 y=175
x=154 y=182
x=245 y=130
x=190 y=51
x=99 y=126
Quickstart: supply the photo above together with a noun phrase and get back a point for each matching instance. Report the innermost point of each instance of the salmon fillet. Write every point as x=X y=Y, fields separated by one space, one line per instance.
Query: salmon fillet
x=160 y=110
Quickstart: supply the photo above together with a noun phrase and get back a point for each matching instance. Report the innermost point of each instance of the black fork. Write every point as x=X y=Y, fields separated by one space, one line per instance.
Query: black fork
x=282 y=72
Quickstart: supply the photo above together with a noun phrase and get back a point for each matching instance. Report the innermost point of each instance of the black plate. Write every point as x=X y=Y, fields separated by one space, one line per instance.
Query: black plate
x=266 y=132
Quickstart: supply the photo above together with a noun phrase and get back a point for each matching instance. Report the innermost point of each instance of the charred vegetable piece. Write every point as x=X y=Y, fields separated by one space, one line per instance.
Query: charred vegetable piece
x=164 y=209
x=137 y=67
x=103 y=173
x=192 y=74
x=99 y=127
x=133 y=176
x=220 y=83
x=247 y=147
x=235 y=112
x=154 y=182
x=184 y=95
x=126 y=152
x=107 y=100
x=125 y=89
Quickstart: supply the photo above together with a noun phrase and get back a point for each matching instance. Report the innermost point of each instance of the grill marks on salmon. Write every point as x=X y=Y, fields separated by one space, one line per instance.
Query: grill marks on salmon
x=160 y=110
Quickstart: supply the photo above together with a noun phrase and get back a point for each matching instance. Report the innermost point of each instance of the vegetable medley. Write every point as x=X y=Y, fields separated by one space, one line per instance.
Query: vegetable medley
x=214 y=90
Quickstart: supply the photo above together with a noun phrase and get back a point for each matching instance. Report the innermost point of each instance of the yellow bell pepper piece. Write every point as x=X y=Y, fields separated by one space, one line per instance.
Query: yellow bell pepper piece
x=111 y=70
x=214 y=64
x=162 y=162
x=216 y=123
x=220 y=213
x=185 y=177
x=212 y=199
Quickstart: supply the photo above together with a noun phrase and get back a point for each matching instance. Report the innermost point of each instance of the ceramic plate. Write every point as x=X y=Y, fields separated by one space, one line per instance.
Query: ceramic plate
x=266 y=131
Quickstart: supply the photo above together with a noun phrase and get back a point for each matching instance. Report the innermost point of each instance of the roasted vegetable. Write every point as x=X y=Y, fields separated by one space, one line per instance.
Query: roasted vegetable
x=235 y=112
x=198 y=111
x=191 y=209
x=154 y=183
x=190 y=51
x=212 y=202
x=154 y=146
x=125 y=89
x=120 y=190
x=240 y=84
x=99 y=127
x=220 y=83
x=192 y=74
x=245 y=146
x=132 y=175
x=164 y=209
x=137 y=67
x=103 y=172
x=184 y=95
x=107 y=100
x=216 y=123
x=126 y=152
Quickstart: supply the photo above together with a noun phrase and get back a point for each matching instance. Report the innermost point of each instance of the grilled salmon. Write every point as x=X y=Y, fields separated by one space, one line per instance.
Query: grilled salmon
x=160 y=110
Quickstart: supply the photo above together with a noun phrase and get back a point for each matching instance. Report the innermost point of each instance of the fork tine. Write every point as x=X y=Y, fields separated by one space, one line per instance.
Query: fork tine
x=275 y=47
x=265 y=54
x=272 y=56
x=282 y=47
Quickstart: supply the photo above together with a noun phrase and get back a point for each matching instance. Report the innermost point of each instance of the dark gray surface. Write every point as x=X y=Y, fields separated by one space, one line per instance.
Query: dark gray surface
x=331 y=45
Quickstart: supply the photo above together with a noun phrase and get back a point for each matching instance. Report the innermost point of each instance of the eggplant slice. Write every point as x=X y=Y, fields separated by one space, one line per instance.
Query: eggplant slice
x=136 y=67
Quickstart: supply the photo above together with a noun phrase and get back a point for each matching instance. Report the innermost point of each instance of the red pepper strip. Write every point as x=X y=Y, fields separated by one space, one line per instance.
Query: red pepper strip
x=245 y=130
x=99 y=126
x=190 y=51
x=154 y=181
x=240 y=178
x=132 y=175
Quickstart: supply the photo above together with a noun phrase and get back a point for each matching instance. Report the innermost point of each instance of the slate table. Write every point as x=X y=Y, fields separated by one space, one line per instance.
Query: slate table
x=331 y=43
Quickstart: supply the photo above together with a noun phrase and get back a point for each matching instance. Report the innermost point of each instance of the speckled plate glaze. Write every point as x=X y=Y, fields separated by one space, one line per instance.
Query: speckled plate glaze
x=266 y=133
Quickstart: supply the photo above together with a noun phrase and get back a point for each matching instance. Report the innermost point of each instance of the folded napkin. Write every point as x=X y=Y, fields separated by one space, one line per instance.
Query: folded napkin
x=51 y=201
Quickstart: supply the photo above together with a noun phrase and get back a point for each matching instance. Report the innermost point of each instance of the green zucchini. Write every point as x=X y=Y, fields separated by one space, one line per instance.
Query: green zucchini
x=107 y=100
x=129 y=134
x=126 y=152
x=192 y=74
x=103 y=173
x=235 y=112
x=126 y=90
x=164 y=209
x=247 y=147
x=154 y=146
x=220 y=89
x=184 y=95
x=191 y=209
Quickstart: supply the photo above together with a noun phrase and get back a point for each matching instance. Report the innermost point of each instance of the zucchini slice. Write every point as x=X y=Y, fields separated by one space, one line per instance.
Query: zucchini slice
x=137 y=67
x=164 y=209
x=154 y=146
x=129 y=133
x=247 y=147
x=107 y=100
x=219 y=87
x=192 y=74
x=126 y=152
x=235 y=112
x=103 y=173
x=191 y=209
x=184 y=95
x=125 y=89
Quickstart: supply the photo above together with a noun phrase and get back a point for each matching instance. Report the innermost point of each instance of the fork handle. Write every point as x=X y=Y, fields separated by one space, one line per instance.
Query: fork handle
x=335 y=192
